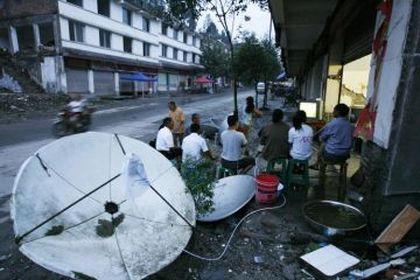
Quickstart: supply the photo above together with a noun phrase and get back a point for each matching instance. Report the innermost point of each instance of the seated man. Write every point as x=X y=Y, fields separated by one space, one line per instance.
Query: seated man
x=274 y=138
x=195 y=119
x=165 y=140
x=232 y=142
x=194 y=145
x=337 y=136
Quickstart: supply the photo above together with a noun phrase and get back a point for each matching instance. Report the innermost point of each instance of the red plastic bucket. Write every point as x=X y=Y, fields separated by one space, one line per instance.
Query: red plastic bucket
x=266 y=188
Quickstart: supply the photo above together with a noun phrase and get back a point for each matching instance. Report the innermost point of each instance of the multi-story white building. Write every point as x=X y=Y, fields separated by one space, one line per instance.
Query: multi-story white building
x=85 y=46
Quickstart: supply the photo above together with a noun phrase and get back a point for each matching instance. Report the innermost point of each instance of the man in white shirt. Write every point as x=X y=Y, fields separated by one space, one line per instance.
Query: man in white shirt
x=232 y=142
x=165 y=140
x=194 y=145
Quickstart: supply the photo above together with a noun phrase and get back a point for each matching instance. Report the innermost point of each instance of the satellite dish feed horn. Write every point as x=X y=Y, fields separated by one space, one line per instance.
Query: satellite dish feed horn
x=153 y=189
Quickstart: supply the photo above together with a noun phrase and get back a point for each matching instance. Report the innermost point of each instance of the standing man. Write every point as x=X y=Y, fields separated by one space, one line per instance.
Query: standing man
x=194 y=146
x=233 y=141
x=274 y=138
x=178 y=117
x=165 y=140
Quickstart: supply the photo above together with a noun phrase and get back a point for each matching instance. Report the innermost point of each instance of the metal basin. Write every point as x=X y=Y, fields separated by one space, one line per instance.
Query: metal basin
x=333 y=218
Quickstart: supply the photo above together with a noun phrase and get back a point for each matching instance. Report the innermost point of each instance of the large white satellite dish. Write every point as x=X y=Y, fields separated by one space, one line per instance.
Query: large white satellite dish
x=130 y=238
x=230 y=194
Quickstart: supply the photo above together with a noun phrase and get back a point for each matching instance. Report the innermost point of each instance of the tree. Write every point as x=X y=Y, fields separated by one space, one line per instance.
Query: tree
x=256 y=61
x=222 y=9
x=215 y=57
x=210 y=28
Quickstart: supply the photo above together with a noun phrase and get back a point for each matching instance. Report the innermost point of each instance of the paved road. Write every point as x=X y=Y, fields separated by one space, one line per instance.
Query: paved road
x=138 y=119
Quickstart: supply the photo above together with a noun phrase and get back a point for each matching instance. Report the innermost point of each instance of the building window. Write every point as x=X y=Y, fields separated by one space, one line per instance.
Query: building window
x=193 y=42
x=146 y=24
x=185 y=38
x=164 y=50
x=104 y=7
x=76 y=2
x=76 y=30
x=105 y=38
x=128 y=44
x=175 y=34
x=164 y=29
x=194 y=57
x=146 y=49
x=126 y=15
x=175 y=54
x=185 y=56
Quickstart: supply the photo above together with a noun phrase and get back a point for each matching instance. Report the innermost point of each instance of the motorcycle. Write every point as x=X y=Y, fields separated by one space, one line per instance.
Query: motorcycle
x=69 y=122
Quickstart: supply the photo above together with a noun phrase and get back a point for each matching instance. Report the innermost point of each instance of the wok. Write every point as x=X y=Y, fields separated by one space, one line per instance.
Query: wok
x=332 y=218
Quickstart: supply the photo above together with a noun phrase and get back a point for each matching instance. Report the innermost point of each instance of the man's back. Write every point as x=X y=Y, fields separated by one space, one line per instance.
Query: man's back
x=164 y=139
x=192 y=146
x=178 y=118
x=338 y=136
x=232 y=142
x=274 y=138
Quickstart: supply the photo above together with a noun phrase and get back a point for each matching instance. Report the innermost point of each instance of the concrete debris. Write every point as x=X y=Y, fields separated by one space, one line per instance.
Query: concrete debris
x=404 y=252
x=4 y=257
x=259 y=259
x=16 y=109
x=397 y=262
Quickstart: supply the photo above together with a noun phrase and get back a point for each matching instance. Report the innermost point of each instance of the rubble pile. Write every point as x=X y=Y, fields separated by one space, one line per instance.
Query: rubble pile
x=26 y=103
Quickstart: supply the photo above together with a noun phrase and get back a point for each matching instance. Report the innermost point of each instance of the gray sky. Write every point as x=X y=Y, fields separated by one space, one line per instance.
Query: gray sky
x=259 y=22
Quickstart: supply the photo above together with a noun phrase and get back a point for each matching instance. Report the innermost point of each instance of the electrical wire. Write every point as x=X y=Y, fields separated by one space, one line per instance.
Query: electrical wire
x=234 y=231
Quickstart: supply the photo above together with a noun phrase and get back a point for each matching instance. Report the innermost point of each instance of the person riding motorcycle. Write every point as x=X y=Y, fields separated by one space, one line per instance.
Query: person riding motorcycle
x=79 y=112
x=74 y=118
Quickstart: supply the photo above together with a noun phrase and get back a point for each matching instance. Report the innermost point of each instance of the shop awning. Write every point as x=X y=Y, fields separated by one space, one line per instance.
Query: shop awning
x=203 y=80
x=139 y=76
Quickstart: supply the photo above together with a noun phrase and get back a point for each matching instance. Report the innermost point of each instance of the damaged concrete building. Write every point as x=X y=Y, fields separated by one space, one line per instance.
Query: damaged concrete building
x=83 y=46
x=319 y=39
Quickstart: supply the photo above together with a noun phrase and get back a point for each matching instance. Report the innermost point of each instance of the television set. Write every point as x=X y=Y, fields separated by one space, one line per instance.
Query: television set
x=310 y=108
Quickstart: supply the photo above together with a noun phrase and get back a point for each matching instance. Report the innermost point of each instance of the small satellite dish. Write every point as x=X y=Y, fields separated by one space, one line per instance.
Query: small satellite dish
x=72 y=214
x=230 y=194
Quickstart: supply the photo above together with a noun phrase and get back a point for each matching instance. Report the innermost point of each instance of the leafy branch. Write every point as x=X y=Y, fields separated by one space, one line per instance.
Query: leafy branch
x=199 y=177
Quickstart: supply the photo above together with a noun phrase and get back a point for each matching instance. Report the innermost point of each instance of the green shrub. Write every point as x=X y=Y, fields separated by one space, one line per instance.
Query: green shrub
x=199 y=177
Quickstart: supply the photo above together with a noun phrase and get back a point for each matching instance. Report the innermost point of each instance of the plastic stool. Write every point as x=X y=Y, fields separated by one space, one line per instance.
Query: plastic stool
x=298 y=178
x=282 y=174
x=342 y=188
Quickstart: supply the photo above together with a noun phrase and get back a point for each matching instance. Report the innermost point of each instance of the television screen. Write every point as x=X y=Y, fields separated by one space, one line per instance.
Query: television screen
x=310 y=109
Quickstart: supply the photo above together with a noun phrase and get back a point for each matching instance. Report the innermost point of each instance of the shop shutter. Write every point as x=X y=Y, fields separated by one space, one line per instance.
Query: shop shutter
x=104 y=82
x=77 y=80
x=359 y=37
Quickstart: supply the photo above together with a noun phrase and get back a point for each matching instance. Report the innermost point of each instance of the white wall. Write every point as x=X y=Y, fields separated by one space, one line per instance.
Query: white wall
x=91 y=35
x=115 y=11
x=64 y=29
x=137 y=47
x=137 y=21
x=48 y=74
x=155 y=26
x=390 y=73
x=91 y=5
x=117 y=42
